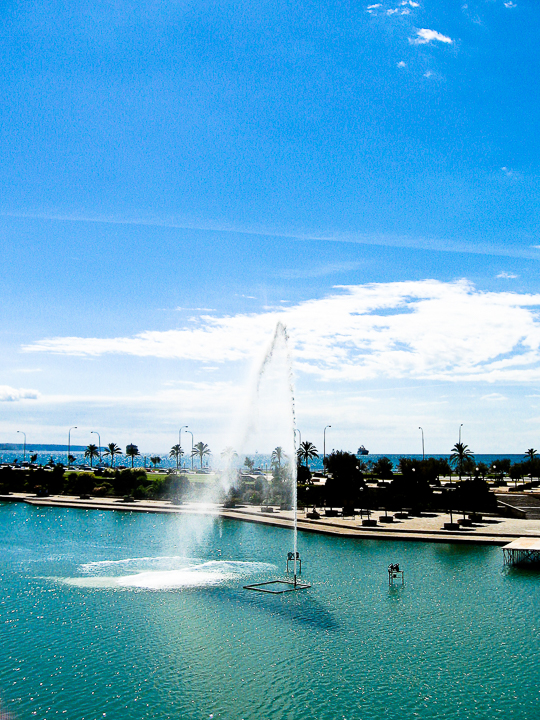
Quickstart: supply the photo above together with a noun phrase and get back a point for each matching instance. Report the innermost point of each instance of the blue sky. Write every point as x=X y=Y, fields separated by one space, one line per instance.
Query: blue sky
x=179 y=176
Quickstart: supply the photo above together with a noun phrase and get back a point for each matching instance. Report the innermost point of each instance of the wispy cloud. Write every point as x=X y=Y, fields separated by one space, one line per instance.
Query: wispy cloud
x=510 y=4
x=423 y=330
x=424 y=36
x=195 y=309
x=507 y=275
x=10 y=394
x=401 y=64
x=313 y=271
x=494 y=397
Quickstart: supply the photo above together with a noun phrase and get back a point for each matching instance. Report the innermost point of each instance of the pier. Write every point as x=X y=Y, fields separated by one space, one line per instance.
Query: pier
x=523 y=551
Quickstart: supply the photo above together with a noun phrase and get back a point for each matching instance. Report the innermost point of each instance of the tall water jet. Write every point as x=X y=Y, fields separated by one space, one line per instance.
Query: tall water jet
x=280 y=341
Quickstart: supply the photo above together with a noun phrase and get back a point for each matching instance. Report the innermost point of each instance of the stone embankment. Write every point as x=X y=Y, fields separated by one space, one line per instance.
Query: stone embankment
x=428 y=527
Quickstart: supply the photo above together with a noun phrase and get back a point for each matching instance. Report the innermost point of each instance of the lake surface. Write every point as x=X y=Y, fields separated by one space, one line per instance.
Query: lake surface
x=133 y=616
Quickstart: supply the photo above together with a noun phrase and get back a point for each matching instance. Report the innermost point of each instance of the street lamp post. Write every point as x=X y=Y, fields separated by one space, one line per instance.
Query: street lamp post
x=460 y=432
x=69 y=444
x=180 y=442
x=324 y=444
x=423 y=453
x=189 y=431
x=94 y=432
x=24 y=451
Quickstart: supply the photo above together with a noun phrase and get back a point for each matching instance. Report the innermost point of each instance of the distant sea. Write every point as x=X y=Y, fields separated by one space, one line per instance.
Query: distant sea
x=262 y=461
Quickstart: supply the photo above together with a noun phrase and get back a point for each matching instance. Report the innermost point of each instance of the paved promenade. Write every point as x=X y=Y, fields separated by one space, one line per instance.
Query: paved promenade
x=493 y=530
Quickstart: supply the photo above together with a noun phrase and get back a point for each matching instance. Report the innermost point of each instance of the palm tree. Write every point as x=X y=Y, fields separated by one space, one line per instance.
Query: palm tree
x=155 y=460
x=277 y=456
x=112 y=450
x=228 y=454
x=176 y=453
x=132 y=451
x=531 y=452
x=460 y=451
x=91 y=452
x=201 y=449
x=307 y=451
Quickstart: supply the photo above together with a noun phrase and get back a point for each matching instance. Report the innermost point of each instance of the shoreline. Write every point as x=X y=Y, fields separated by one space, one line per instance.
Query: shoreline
x=493 y=530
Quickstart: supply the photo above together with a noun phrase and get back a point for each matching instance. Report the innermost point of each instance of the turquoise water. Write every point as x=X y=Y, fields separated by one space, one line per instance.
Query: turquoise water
x=130 y=616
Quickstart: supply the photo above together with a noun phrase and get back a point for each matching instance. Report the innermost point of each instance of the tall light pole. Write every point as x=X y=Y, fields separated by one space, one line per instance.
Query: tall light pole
x=69 y=442
x=189 y=431
x=423 y=453
x=94 y=432
x=180 y=442
x=324 y=444
x=24 y=451
x=460 y=432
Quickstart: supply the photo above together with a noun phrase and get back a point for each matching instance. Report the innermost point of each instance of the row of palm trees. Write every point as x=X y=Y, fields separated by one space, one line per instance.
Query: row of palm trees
x=111 y=450
x=306 y=452
x=200 y=450
x=461 y=453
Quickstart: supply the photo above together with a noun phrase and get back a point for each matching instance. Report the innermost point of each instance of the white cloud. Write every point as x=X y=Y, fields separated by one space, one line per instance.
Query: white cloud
x=507 y=275
x=425 y=36
x=510 y=4
x=428 y=74
x=401 y=64
x=494 y=397
x=422 y=330
x=10 y=394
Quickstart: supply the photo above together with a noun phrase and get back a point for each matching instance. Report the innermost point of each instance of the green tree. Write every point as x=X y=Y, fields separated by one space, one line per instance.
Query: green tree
x=277 y=456
x=383 y=468
x=132 y=451
x=344 y=479
x=155 y=460
x=531 y=453
x=482 y=470
x=33 y=458
x=249 y=463
x=201 y=450
x=307 y=451
x=460 y=452
x=91 y=452
x=112 y=450
x=176 y=453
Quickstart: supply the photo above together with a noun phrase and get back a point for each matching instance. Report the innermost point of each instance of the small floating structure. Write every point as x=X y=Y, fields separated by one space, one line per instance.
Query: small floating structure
x=523 y=551
x=394 y=573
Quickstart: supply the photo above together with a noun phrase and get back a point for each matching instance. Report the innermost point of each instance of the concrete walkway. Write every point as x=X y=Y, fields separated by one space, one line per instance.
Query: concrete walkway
x=494 y=530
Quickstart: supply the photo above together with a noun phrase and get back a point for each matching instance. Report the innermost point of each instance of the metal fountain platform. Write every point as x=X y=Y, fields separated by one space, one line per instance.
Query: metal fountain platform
x=277 y=587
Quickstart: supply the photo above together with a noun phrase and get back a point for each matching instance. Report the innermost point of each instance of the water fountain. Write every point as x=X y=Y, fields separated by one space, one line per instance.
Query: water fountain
x=281 y=340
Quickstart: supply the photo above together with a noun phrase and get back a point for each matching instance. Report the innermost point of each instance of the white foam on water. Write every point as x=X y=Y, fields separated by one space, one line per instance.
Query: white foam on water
x=168 y=579
x=98 y=565
x=211 y=573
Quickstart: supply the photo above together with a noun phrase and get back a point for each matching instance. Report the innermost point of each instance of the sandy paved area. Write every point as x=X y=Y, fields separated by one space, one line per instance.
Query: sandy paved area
x=494 y=530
